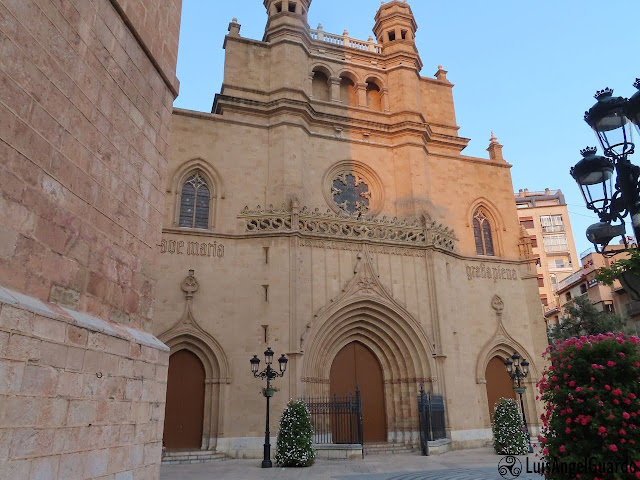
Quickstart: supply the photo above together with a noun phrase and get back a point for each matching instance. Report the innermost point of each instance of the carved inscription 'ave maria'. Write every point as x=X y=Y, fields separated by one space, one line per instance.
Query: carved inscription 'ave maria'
x=201 y=249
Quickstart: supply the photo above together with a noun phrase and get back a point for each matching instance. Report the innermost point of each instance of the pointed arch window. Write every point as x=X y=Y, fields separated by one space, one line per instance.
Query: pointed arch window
x=482 y=233
x=195 y=202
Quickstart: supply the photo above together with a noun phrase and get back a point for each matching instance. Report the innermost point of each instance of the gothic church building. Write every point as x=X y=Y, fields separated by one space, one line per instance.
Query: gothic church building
x=324 y=208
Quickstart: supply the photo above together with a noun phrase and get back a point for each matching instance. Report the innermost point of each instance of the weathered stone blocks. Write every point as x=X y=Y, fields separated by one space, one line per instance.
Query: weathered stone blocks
x=79 y=397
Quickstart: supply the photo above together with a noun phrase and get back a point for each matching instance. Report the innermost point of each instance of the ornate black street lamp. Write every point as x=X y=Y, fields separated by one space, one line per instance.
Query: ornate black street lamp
x=612 y=119
x=268 y=373
x=518 y=370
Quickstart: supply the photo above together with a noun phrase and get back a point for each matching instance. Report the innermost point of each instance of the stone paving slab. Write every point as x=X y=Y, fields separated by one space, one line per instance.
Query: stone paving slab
x=476 y=464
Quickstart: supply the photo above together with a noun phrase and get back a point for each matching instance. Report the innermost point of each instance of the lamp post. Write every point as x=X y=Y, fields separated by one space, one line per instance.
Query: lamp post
x=612 y=119
x=270 y=374
x=518 y=370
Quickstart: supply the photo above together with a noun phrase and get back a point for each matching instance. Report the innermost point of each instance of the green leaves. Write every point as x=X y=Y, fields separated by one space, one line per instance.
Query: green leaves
x=631 y=264
x=591 y=392
x=294 y=446
x=582 y=318
x=509 y=436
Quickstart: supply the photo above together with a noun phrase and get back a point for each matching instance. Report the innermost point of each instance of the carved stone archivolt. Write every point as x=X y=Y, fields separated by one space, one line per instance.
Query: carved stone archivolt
x=348 y=226
x=501 y=344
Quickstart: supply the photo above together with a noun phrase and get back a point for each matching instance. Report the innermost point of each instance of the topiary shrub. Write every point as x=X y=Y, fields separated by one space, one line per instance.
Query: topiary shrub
x=294 y=446
x=592 y=410
x=509 y=436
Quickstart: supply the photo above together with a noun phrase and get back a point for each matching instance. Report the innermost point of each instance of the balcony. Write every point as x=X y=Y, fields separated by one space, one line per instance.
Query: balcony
x=633 y=309
x=554 y=267
x=345 y=41
x=552 y=228
x=574 y=277
x=562 y=248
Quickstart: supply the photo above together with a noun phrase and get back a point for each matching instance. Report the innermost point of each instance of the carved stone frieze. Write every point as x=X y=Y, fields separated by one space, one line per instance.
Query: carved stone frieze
x=344 y=225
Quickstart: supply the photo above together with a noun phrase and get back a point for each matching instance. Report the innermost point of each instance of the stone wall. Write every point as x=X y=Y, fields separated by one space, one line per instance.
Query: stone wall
x=79 y=397
x=86 y=93
x=86 y=116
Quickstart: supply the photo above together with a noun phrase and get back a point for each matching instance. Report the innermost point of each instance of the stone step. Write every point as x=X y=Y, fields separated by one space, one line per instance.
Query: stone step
x=387 y=448
x=198 y=456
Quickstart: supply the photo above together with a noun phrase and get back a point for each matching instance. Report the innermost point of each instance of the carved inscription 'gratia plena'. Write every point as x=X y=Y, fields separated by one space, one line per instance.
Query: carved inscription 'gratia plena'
x=491 y=273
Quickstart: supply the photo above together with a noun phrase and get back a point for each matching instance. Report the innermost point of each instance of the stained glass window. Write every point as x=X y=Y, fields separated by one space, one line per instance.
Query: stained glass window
x=482 y=233
x=194 y=203
x=351 y=193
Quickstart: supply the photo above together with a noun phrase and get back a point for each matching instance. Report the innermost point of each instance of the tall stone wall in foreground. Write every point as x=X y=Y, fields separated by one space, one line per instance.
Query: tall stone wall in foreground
x=86 y=92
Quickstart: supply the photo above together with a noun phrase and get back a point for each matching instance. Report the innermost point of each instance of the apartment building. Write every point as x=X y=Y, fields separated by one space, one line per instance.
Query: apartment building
x=545 y=217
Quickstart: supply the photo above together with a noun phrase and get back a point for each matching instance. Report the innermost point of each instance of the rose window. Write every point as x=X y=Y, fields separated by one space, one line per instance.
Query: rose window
x=351 y=193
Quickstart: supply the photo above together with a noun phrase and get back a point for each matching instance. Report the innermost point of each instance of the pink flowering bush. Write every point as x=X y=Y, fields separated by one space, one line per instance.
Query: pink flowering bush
x=592 y=406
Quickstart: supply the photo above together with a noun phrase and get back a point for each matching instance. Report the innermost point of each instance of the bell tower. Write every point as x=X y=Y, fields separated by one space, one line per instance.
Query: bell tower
x=395 y=27
x=286 y=18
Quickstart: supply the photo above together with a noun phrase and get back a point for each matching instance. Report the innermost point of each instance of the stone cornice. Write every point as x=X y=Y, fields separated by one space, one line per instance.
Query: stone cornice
x=348 y=244
x=313 y=116
x=436 y=155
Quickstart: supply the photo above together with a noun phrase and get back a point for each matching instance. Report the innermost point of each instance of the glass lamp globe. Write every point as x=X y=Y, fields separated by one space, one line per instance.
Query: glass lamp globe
x=594 y=174
x=608 y=120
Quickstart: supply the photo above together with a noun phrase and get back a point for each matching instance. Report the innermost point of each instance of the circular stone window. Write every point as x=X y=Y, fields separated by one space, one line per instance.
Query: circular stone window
x=353 y=188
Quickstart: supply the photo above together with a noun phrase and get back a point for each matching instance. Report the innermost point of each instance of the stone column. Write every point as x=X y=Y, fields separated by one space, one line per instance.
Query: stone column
x=384 y=97
x=361 y=91
x=334 y=87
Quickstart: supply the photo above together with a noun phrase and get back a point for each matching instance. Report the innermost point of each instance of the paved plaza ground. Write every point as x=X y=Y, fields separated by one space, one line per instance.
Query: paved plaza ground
x=476 y=464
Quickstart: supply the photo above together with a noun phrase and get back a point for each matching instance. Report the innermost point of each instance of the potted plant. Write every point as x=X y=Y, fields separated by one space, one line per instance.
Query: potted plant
x=627 y=270
x=268 y=391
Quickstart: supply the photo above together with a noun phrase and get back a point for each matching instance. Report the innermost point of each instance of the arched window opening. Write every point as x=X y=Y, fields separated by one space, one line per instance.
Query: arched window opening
x=348 y=93
x=374 y=99
x=195 y=202
x=320 y=86
x=482 y=233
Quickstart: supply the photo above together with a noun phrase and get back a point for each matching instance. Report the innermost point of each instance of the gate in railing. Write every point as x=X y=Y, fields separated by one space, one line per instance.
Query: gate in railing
x=431 y=416
x=336 y=418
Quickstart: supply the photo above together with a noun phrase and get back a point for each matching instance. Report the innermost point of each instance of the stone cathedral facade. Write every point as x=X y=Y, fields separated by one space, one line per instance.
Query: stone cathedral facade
x=323 y=207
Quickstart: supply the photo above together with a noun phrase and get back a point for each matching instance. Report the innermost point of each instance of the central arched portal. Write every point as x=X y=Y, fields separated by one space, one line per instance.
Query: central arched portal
x=355 y=365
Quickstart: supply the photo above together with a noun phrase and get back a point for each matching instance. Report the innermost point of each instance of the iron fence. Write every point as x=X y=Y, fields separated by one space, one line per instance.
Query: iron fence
x=336 y=418
x=431 y=418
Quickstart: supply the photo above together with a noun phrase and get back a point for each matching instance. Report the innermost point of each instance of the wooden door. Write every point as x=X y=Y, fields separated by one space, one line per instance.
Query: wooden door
x=355 y=363
x=499 y=384
x=185 y=402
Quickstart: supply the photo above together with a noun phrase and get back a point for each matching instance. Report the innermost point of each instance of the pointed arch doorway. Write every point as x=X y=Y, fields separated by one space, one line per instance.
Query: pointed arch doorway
x=184 y=411
x=499 y=384
x=356 y=364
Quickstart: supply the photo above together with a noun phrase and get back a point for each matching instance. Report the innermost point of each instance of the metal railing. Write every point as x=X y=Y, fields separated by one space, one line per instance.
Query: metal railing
x=336 y=418
x=431 y=418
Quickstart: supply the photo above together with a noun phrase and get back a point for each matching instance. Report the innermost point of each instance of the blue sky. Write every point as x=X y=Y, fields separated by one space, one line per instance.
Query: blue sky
x=525 y=69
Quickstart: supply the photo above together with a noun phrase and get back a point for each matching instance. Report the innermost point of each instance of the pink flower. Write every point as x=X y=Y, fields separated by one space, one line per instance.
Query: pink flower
x=613 y=448
x=622 y=355
x=602 y=430
x=562 y=448
x=625 y=415
x=611 y=364
x=607 y=387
